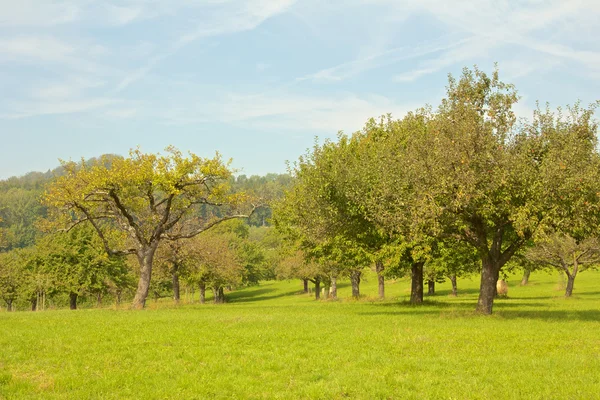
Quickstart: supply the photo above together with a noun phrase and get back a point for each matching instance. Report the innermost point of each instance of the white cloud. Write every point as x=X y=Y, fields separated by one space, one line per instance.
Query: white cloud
x=287 y=111
x=44 y=48
x=72 y=88
x=31 y=108
x=123 y=15
x=228 y=18
x=495 y=23
x=37 y=13
x=388 y=57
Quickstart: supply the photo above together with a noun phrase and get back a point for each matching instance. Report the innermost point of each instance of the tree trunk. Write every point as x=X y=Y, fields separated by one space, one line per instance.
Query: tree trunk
x=145 y=259
x=525 y=279
x=355 y=280
x=99 y=300
x=416 y=289
x=490 y=272
x=454 y=286
x=430 y=287
x=333 y=289
x=202 y=293
x=496 y=286
x=571 y=277
x=73 y=301
x=219 y=296
x=9 y=305
x=570 y=283
x=305 y=281
x=317 y=289
x=380 y=279
x=34 y=303
x=176 y=292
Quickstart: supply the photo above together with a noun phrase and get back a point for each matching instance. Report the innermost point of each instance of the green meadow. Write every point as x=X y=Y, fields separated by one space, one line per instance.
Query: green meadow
x=273 y=342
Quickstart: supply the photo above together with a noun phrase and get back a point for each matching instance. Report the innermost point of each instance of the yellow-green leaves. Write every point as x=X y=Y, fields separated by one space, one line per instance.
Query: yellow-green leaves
x=143 y=195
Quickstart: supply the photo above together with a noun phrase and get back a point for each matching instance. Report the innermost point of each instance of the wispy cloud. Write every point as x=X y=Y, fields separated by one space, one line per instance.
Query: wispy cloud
x=388 y=57
x=123 y=15
x=287 y=111
x=35 y=13
x=17 y=110
x=37 y=48
x=228 y=18
x=493 y=24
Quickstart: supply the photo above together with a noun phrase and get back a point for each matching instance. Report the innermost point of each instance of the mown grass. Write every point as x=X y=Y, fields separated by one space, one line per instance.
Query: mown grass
x=271 y=342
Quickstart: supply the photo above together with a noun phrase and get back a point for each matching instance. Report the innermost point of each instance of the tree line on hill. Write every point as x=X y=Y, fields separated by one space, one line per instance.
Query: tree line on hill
x=438 y=194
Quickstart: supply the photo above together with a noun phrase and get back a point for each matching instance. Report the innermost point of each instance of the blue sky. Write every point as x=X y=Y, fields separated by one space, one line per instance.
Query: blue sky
x=257 y=80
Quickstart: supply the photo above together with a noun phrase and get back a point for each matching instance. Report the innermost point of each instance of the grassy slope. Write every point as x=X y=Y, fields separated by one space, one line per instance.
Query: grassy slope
x=271 y=342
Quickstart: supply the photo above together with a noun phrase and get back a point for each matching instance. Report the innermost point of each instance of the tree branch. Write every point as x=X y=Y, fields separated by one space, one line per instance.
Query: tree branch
x=208 y=226
x=107 y=248
x=128 y=216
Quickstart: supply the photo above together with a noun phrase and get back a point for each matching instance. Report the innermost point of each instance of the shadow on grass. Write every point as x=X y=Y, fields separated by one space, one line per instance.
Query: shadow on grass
x=503 y=308
x=258 y=294
x=461 y=292
x=551 y=315
x=576 y=293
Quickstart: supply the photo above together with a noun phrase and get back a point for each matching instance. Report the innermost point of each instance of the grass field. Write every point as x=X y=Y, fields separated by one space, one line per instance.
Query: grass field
x=271 y=342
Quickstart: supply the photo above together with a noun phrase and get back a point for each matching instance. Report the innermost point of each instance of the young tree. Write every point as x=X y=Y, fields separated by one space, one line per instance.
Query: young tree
x=79 y=264
x=452 y=259
x=145 y=196
x=297 y=264
x=566 y=254
x=171 y=259
x=214 y=263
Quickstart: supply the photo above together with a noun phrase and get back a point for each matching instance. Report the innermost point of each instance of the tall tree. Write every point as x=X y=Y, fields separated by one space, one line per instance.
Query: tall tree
x=145 y=196
x=477 y=176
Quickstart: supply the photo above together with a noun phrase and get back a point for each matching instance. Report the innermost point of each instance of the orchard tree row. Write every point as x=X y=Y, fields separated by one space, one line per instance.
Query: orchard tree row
x=66 y=267
x=445 y=191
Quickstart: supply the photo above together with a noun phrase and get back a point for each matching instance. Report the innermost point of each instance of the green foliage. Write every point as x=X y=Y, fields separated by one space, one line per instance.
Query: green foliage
x=79 y=265
x=19 y=209
x=12 y=277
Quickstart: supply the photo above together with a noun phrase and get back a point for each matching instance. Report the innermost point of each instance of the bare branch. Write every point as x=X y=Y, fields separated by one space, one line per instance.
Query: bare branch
x=208 y=226
x=123 y=210
x=92 y=220
x=160 y=228
x=80 y=221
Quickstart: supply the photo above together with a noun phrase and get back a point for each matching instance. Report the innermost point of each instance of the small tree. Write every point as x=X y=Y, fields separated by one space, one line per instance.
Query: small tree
x=297 y=264
x=79 y=264
x=213 y=263
x=566 y=254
